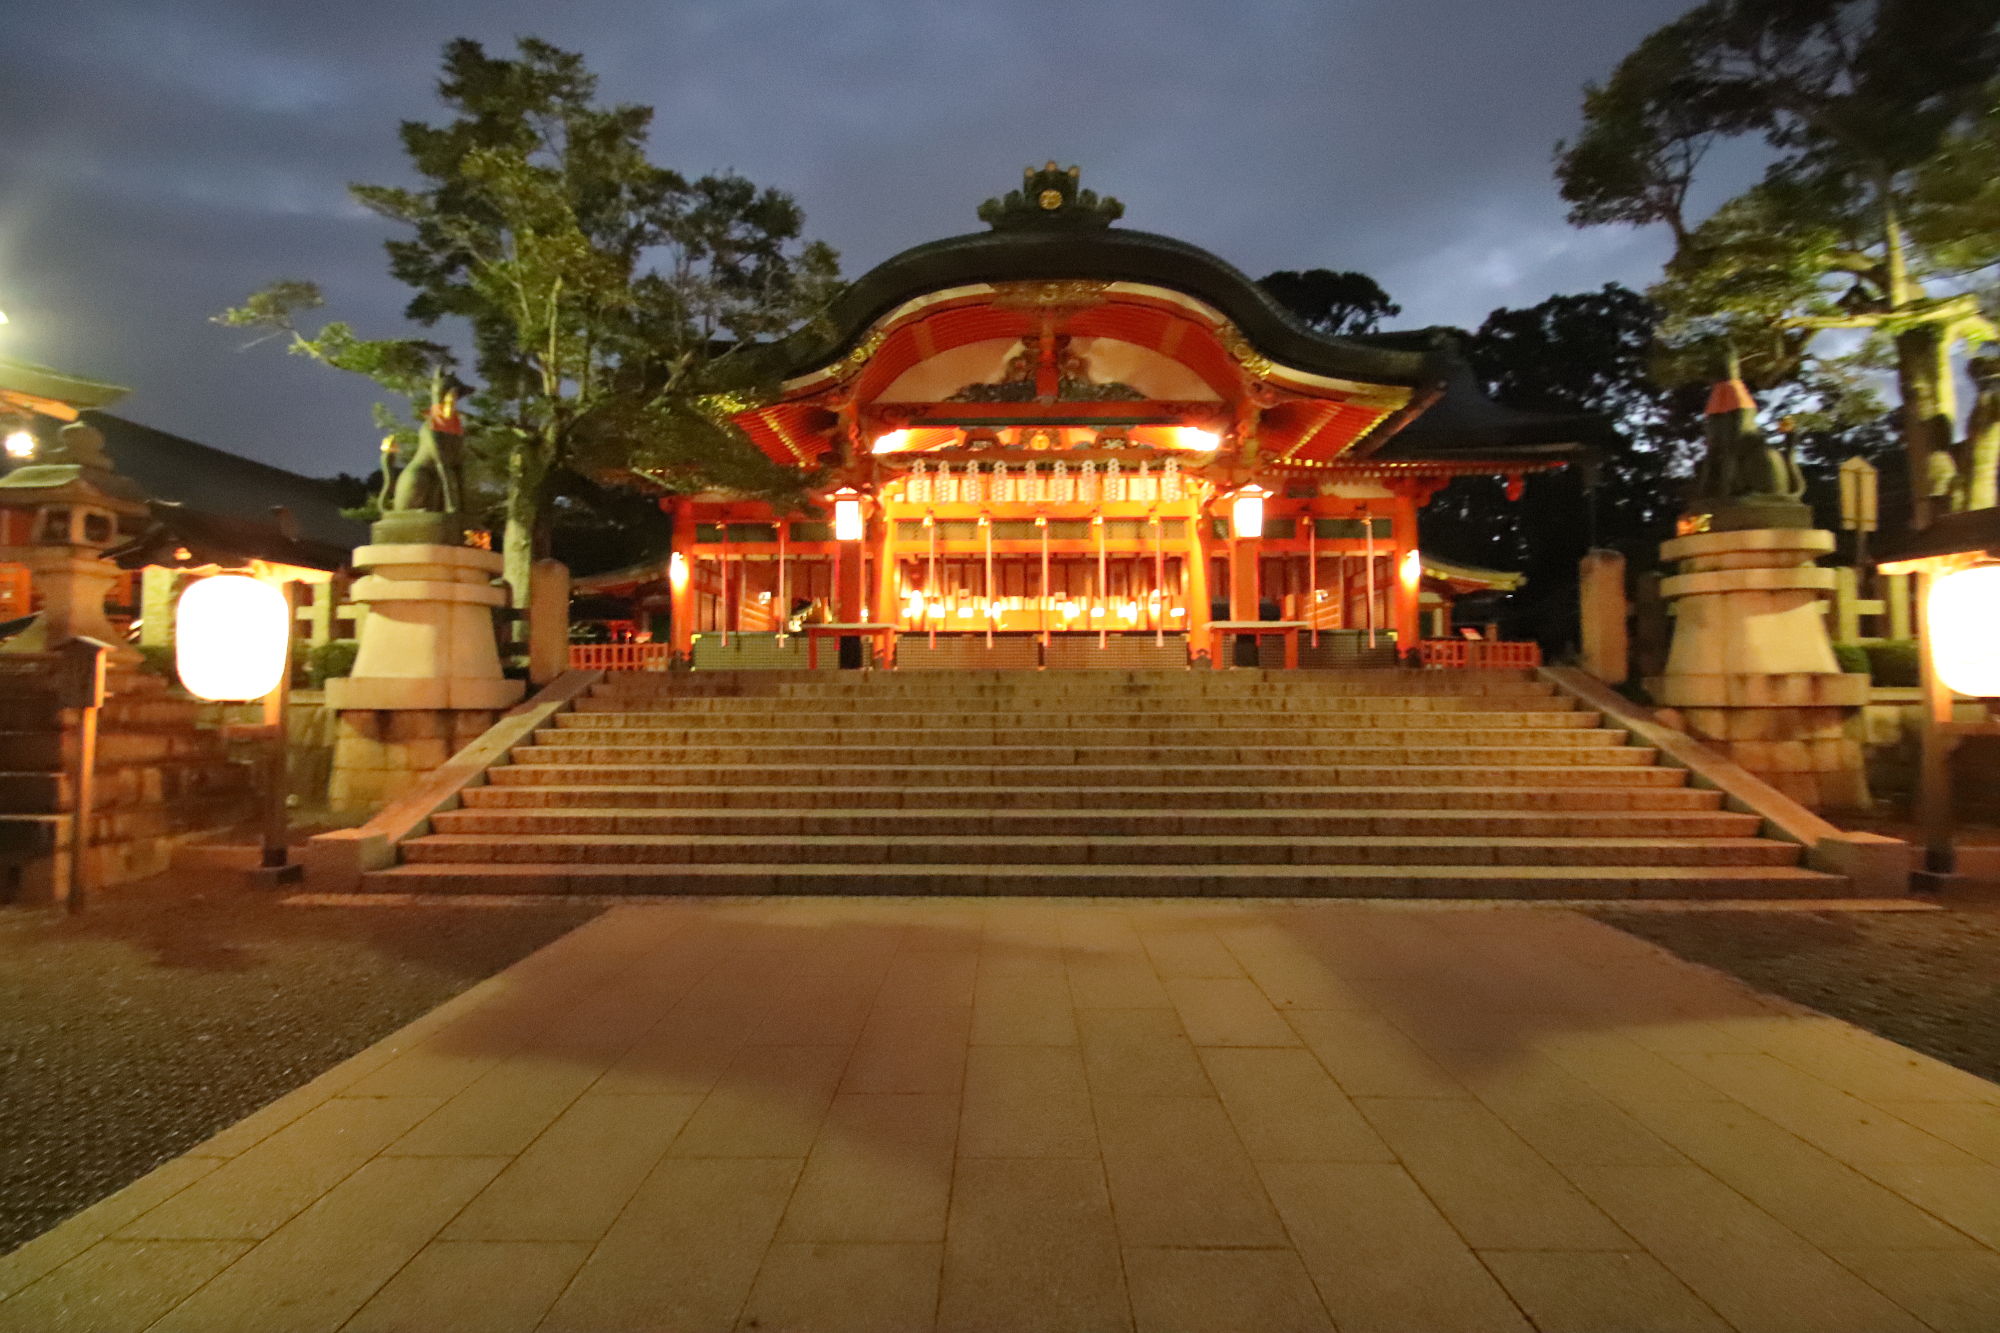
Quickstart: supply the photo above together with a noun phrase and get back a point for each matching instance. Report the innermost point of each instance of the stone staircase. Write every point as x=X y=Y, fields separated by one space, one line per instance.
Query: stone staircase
x=1357 y=783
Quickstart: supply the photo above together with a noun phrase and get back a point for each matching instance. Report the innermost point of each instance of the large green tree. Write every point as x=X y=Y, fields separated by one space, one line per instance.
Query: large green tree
x=1878 y=211
x=1337 y=303
x=611 y=306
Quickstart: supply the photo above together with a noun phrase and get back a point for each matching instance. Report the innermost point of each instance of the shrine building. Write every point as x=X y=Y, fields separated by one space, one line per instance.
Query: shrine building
x=1063 y=443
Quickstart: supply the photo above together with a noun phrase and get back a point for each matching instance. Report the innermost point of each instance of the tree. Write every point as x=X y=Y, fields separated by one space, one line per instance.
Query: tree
x=1877 y=212
x=1593 y=352
x=611 y=305
x=1339 y=304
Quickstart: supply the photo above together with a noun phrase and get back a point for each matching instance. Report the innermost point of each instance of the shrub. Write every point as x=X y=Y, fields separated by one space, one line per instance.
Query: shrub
x=1852 y=657
x=330 y=660
x=1893 y=663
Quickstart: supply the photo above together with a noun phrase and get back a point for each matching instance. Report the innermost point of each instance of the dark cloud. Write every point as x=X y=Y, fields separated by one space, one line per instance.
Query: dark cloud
x=163 y=160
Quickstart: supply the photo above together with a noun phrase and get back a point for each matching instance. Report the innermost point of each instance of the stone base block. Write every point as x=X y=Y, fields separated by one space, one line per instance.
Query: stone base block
x=1808 y=753
x=423 y=692
x=380 y=754
x=1797 y=689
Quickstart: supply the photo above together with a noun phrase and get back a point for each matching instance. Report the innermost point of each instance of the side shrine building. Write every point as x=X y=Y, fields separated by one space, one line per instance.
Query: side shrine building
x=1060 y=442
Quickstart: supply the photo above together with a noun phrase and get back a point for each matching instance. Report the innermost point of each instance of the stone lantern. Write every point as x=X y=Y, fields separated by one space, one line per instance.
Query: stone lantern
x=1752 y=669
x=58 y=515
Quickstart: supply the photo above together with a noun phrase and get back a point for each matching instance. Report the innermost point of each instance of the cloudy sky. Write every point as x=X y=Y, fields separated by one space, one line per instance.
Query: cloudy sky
x=163 y=158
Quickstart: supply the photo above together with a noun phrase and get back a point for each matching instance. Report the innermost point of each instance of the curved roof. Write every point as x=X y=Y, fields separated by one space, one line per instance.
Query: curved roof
x=1105 y=255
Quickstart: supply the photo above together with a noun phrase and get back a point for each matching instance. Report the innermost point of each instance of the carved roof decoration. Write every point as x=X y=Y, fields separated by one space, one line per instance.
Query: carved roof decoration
x=1050 y=197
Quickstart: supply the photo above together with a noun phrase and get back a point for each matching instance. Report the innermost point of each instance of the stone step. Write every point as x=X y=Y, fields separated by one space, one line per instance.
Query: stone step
x=1192 y=711
x=945 y=685
x=1387 y=797
x=1554 y=771
x=973 y=755
x=1180 y=724
x=540 y=822
x=1167 y=849
x=761 y=739
x=1548 y=882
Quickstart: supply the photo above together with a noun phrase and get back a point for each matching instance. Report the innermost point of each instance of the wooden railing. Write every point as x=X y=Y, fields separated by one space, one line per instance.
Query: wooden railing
x=1480 y=653
x=619 y=656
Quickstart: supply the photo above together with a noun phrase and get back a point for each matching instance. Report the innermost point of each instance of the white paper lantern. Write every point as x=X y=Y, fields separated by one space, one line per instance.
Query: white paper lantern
x=231 y=635
x=1962 y=620
x=1248 y=511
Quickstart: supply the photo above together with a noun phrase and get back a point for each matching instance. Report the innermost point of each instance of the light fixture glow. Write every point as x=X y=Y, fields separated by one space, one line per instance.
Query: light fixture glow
x=1247 y=514
x=1197 y=440
x=889 y=442
x=20 y=444
x=1962 y=624
x=1412 y=569
x=677 y=571
x=847 y=524
x=231 y=636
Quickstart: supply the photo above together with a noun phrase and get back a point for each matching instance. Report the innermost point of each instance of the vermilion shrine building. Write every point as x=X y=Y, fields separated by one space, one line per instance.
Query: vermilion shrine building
x=1038 y=440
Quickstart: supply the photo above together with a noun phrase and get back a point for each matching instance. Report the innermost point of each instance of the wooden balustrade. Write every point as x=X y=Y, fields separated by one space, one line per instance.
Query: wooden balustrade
x=1469 y=654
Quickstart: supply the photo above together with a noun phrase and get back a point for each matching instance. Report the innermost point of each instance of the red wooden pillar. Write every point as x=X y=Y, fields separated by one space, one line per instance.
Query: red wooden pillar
x=1406 y=572
x=886 y=563
x=680 y=578
x=1194 y=565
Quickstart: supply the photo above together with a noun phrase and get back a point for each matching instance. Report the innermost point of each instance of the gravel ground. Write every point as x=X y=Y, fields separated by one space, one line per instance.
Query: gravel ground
x=136 y=1030
x=1929 y=980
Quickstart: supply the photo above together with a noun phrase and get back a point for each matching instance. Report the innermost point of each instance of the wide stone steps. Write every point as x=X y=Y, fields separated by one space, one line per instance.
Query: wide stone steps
x=1157 y=849
x=511 y=792
x=1552 y=771
x=1003 y=757
x=1269 y=736
x=1362 y=783
x=1551 y=882
x=605 y=822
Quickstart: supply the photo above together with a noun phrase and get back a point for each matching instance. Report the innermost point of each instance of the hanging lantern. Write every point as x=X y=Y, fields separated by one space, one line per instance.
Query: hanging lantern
x=1962 y=626
x=232 y=636
x=1247 y=514
x=847 y=524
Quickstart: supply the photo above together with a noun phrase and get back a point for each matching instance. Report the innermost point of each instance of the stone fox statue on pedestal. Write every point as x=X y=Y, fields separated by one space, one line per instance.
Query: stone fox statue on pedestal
x=430 y=481
x=1742 y=481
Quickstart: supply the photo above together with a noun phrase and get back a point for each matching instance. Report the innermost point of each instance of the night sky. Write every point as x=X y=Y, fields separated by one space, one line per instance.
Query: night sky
x=160 y=159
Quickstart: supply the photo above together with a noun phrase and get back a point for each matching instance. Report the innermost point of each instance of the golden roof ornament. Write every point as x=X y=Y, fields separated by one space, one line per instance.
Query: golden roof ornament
x=1050 y=196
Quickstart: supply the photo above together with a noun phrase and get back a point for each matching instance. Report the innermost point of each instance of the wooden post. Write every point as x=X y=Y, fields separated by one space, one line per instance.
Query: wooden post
x=1846 y=608
x=1200 y=642
x=1406 y=575
x=548 y=620
x=1936 y=742
x=1896 y=591
x=680 y=582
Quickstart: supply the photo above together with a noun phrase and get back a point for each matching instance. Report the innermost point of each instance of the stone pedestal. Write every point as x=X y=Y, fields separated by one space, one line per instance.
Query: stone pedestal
x=426 y=678
x=1752 y=671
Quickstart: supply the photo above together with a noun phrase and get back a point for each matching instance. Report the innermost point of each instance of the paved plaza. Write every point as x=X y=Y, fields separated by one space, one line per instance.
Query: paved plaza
x=1041 y=1115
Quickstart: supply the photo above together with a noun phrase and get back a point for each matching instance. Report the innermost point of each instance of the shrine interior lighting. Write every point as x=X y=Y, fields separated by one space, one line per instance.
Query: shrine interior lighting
x=1247 y=513
x=1962 y=627
x=20 y=444
x=232 y=636
x=677 y=571
x=889 y=442
x=1196 y=439
x=847 y=525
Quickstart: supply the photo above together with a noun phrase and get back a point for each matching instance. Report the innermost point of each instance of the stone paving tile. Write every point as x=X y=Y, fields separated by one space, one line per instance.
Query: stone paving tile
x=472 y=1286
x=682 y=1256
x=1821 y=1198
x=1598 y=1291
x=1754 y=1272
x=254 y=1194
x=571 y=1183
x=1046 y=1115
x=314 y=1272
x=1953 y=1291
x=879 y=1172
x=1286 y=1108
x=1026 y=1101
x=121 y=1286
x=1031 y=1245
x=1498 y=1192
x=845 y=1288
x=1222 y=1291
x=1139 y=1052
x=1383 y=1258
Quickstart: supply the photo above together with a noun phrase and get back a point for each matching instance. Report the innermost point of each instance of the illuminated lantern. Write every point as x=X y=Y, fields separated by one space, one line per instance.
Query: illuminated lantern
x=677 y=571
x=20 y=444
x=847 y=525
x=1962 y=623
x=1197 y=440
x=890 y=442
x=232 y=635
x=1248 y=512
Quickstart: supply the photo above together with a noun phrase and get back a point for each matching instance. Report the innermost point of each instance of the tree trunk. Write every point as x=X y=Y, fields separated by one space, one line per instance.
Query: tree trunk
x=526 y=498
x=1923 y=376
